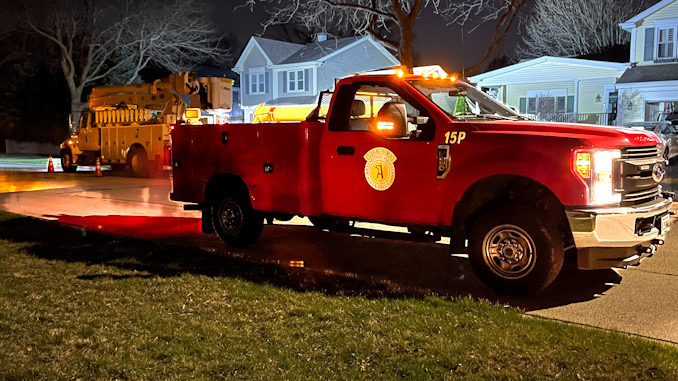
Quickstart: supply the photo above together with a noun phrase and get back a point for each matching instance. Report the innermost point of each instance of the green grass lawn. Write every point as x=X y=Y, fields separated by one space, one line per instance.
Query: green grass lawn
x=85 y=305
x=27 y=159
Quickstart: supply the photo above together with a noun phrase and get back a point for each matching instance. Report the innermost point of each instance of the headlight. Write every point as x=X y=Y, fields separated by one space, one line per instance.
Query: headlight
x=595 y=168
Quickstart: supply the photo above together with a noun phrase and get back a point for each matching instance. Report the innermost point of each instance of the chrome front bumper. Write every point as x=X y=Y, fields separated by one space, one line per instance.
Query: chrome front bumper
x=609 y=237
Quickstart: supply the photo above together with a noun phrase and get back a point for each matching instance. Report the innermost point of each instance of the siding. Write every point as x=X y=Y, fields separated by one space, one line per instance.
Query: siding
x=547 y=71
x=360 y=58
x=515 y=92
x=635 y=114
x=254 y=60
x=588 y=90
x=668 y=12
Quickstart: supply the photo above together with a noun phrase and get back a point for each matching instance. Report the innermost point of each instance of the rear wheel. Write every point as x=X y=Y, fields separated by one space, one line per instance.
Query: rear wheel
x=139 y=163
x=516 y=249
x=67 y=161
x=235 y=221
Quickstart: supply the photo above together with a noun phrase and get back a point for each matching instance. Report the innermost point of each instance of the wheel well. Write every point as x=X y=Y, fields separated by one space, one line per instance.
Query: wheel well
x=134 y=147
x=500 y=190
x=218 y=184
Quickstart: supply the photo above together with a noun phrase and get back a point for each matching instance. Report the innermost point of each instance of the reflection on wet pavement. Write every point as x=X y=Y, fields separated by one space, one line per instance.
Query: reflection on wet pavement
x=136 y=226
x=20 y=182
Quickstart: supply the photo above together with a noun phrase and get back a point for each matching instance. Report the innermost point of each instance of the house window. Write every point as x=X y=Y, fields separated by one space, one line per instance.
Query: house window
x=531 y=105
x=547 y=102
x=257 y=82
x=665 y=42
x=295 y=80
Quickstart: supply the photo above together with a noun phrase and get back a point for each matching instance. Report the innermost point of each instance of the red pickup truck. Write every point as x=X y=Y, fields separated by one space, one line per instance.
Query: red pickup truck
x=441 y=158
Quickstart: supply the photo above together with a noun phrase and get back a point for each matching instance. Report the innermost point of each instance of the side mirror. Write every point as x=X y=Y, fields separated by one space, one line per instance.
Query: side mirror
x=418 y=120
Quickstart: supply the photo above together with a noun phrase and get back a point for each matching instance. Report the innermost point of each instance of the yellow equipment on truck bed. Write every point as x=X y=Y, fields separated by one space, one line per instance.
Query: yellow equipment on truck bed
x=129 y=124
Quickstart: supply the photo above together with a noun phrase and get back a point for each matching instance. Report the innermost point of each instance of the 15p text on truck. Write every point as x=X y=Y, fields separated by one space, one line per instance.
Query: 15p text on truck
x=441 y=158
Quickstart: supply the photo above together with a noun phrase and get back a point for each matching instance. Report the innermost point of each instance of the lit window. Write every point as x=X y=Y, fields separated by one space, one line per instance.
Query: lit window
x=295 y=80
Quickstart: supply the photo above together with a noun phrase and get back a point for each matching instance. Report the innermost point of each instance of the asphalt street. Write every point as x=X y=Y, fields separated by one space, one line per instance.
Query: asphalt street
x=639 y=300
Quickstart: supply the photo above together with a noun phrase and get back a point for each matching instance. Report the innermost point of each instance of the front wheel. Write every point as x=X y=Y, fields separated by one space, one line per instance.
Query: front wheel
x=516 y=249
x=67 y=161
x=236 y=222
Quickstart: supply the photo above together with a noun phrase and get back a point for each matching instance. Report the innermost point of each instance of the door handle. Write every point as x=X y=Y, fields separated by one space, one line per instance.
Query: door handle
x=345 y=150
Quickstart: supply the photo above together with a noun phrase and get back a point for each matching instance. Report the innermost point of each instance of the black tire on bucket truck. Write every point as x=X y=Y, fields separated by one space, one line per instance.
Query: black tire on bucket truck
x=67 y=161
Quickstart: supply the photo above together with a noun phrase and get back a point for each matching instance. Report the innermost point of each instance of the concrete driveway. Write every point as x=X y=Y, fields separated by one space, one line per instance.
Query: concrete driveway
x=640 y=300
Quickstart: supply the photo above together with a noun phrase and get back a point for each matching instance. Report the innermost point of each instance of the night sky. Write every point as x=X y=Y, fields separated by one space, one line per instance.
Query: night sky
x=451 y=47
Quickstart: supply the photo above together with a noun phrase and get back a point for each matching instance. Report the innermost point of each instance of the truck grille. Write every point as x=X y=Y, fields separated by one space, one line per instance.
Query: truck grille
x=640 y=152
x=635 y=167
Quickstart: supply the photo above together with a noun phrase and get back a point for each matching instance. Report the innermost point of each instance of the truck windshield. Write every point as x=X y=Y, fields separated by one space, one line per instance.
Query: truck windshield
x=462 y=101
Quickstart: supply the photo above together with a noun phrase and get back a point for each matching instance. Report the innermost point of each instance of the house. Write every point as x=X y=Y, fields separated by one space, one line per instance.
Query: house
x=649 y=89
x=557 y=89
x=282 y=73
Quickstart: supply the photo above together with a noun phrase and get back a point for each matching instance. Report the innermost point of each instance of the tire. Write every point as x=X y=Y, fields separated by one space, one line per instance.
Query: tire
x=330 y=223
x=235 y=221
x=516 y=249
x=67 y=161
x=138 y=161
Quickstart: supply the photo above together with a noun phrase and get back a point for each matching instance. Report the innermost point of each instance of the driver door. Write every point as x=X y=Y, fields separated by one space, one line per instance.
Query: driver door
x=379 y=162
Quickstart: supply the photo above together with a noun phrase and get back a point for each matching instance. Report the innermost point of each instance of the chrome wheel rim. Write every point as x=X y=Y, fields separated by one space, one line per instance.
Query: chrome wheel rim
x=509 y=252
x=231 y=217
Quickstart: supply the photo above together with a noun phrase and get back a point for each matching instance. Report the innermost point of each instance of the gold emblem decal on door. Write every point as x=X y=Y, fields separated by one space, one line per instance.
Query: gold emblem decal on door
x=379 y=169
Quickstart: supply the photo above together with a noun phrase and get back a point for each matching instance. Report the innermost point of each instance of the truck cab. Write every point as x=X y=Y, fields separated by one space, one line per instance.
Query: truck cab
x=442 y=158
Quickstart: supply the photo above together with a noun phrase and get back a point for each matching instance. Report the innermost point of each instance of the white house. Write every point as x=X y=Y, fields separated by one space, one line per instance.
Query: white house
x=557 y=89
x=649 y=89
x=282 y=73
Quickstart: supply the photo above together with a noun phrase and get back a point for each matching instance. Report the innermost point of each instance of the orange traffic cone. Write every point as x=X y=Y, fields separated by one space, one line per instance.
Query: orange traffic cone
x=97 y=171
x=50 y=165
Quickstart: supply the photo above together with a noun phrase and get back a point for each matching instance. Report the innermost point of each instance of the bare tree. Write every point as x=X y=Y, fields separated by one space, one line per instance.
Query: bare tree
x=97 y=38
x=391 y=22
x=577 y=27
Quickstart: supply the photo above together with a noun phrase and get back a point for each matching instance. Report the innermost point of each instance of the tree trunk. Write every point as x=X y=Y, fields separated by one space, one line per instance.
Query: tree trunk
x=76 y=110
x=405 y=53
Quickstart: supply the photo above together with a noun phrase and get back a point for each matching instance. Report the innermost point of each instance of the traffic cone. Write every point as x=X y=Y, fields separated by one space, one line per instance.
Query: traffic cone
x=50 y=165
x=97 y=171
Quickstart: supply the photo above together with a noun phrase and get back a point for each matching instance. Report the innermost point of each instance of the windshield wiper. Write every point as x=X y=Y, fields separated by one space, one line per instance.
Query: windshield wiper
x=503 y=117
x=486 y=116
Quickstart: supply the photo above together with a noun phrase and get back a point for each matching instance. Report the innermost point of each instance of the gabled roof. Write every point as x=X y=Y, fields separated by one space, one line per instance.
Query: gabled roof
x=631 y=23
x=277 y=51
x=536 y=61
x=286 y=53
x=317 y=50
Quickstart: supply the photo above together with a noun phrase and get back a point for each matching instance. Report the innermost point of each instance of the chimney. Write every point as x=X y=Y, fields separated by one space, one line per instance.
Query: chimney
x=320 y=37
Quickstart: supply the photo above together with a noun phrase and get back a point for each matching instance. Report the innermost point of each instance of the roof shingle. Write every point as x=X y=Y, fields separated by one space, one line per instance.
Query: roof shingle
x=650 y=73
x=281 y=52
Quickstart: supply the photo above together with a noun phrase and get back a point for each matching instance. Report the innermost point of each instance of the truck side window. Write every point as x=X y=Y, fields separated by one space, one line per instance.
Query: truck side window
x=383 y=111
x=84 y=119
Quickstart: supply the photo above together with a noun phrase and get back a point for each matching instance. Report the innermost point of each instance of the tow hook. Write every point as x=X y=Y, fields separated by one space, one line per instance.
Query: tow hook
x=658 y=242
x=672 y=212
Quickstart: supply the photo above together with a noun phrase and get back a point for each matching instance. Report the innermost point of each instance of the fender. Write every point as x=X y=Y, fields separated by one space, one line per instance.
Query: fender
x=550 y=167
